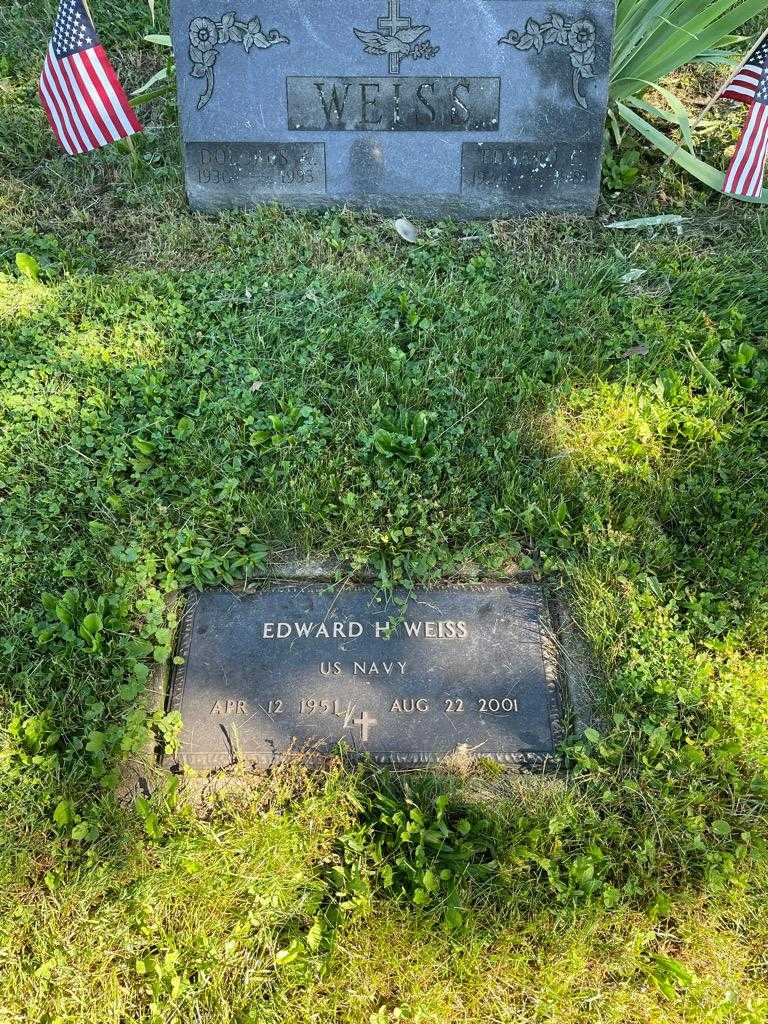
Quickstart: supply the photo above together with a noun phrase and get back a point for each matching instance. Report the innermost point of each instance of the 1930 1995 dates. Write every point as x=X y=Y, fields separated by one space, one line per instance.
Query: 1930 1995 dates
x=259 y=165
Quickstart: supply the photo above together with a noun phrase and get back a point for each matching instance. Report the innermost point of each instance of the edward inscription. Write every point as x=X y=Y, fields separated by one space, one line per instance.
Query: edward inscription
x=273 y=672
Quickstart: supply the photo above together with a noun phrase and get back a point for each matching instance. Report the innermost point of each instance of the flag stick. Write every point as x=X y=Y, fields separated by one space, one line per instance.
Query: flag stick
x=717 y=96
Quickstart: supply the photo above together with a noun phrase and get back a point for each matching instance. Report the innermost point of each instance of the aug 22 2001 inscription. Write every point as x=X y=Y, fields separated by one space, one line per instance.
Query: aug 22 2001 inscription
x=462 y=108
x=466 y=669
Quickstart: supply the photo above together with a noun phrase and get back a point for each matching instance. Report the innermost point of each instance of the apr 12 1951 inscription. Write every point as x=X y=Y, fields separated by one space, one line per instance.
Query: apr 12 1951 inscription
x=387 y=104
x=465 y=669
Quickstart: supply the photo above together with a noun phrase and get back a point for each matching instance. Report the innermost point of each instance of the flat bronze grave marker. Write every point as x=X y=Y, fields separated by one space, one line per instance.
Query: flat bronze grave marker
x=461 y=669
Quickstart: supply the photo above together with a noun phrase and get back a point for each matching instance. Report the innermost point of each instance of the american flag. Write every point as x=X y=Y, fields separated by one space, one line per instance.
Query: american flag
x=83 y=100
x=745 y=174
x=743 y=87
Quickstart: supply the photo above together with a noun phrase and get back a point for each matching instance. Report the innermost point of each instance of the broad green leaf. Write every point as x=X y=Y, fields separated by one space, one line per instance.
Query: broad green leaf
x=315 y=935
x=429 y=881
x=96 y=743
x=453 y=918
x=27 y=266
x=184 y=426
x=63 y=613
x=289 y=954
x=93 y=624
x=64 y=813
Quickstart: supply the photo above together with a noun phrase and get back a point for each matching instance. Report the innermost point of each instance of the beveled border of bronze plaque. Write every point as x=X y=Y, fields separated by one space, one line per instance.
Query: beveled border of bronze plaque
x=559 y=699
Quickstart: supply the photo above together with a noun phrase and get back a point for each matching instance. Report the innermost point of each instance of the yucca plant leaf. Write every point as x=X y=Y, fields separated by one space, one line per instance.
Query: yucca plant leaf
x=679 y=115
x=655 y=37
x=704 y=172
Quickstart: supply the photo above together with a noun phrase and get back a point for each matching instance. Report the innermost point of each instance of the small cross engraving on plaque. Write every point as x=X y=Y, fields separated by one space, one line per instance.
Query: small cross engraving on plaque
x=365 y=723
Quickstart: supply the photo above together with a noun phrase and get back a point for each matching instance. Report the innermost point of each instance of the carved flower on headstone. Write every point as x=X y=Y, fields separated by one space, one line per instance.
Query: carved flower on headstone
x=202 y=61
x=205 y=34
x=253 y=36
x=584 y=62
x=578 y=36
x=581 y=36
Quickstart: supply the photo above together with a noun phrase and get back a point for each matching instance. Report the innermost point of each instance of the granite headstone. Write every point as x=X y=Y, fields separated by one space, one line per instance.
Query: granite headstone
x=464 y=669
x=460 y=108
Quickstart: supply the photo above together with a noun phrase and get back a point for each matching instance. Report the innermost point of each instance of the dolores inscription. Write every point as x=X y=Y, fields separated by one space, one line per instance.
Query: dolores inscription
x=393 y=104
x=291 y=167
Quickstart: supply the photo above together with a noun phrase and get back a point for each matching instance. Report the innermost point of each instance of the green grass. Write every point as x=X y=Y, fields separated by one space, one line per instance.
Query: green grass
x=138 y=375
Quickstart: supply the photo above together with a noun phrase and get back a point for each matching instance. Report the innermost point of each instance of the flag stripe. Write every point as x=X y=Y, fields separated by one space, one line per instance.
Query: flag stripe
x=748 y=71
x=53 y=94
x=741 y=156
x=53 y=118
x=114 y=91
x=754 y=185
x=745 y=173
x=95 y=102
x=748 y=85
x=753 y=157
x=739 y=92
x=90 y=69
x=744 y=85
x=52 y=112
x=94 y=136
x=123 y=103
x=74 y=124
x=70 y=112
x=48 y=81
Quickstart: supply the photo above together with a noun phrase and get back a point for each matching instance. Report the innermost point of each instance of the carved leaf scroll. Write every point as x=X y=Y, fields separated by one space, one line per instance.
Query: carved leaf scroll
x=578 y=37
x=206 y=35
